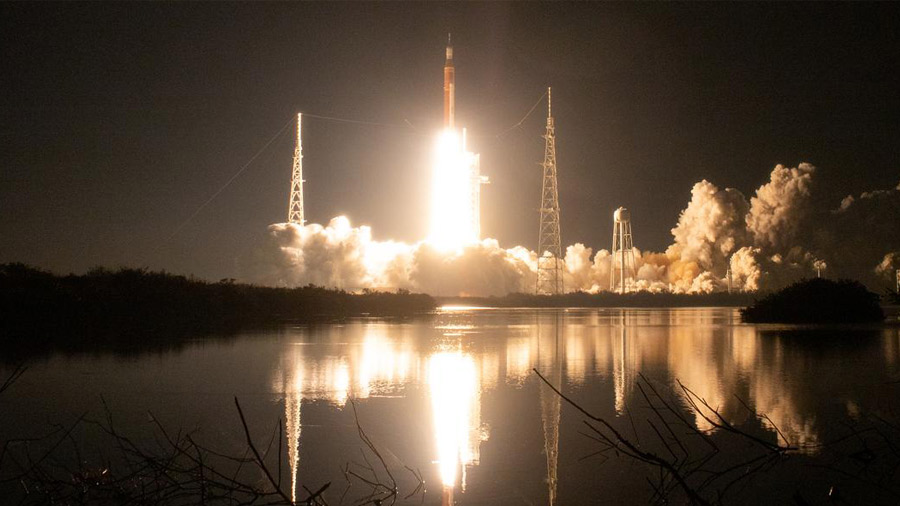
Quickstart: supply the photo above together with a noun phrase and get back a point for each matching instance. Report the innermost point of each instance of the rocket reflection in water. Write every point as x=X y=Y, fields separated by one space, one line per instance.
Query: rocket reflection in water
x=455 y=405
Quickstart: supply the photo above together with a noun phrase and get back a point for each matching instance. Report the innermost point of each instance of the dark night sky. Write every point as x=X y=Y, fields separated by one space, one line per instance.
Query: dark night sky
x=118 y=121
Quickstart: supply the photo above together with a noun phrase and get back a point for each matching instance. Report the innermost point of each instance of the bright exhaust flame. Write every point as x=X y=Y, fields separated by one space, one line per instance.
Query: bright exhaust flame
x=454 y=211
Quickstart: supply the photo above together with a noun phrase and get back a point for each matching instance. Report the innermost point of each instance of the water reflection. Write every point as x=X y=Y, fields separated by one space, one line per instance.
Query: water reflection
x=623 y=366
x=304 y=372
x=518 y=359
x=289 y=382
x=378 y=365
x=455 y=407
x=454 y=361
x=892 y=348
x=382 y=364
x=550 y=365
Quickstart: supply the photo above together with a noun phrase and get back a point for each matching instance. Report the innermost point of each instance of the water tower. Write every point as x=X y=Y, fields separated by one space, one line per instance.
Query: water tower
x=622 y=273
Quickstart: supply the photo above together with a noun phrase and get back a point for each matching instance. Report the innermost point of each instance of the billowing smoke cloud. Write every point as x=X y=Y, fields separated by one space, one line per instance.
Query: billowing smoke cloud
x=711 y=228
x=720 y=231
x=780 y=206
x=343 y=256
x=775 y=237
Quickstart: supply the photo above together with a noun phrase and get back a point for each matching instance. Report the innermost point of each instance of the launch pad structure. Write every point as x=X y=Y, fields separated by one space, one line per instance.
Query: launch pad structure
x=549 y=261
x=295 y=204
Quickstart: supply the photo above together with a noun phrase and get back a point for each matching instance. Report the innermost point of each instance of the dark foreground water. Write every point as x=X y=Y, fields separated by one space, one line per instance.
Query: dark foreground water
x=453 y=396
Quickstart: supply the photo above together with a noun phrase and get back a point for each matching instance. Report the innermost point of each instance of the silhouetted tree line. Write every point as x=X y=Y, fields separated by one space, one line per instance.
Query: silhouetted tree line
x=893 y=297
x=608 y=299
x=817 y=301
x=137 y=304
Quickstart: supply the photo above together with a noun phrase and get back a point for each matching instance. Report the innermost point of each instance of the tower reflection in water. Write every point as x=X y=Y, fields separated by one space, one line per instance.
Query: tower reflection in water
x=376 y=366
x=549 y=363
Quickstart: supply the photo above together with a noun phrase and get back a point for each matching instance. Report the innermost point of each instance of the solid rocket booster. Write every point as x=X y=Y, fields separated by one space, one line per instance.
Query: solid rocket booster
x=449 y=87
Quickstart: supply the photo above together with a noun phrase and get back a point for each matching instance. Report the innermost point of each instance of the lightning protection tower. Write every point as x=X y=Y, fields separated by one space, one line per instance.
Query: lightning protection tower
x=295 y=205
x=622 y=274
x=549 y=268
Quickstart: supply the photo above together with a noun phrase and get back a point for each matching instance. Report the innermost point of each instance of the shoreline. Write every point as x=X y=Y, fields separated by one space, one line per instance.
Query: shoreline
x=604 y=299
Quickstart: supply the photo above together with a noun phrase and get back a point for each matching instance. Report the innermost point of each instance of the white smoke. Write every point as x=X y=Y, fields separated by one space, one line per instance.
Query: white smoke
x=774 y=238
x=340 y=255
x=778 y=209
x=711 y=227
x=745 y=269
x=480 y=269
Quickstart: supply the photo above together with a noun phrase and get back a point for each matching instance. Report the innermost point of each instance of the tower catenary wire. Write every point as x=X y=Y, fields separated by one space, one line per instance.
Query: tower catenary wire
x=295 y=204
x=549 y=268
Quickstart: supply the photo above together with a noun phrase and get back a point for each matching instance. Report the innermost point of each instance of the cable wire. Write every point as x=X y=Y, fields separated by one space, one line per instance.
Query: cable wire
x=227 y=184
x=517 y=125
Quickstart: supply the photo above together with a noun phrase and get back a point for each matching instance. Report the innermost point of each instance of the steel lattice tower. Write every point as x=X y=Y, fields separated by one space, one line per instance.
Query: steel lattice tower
x=549 y=268
x=295 y=205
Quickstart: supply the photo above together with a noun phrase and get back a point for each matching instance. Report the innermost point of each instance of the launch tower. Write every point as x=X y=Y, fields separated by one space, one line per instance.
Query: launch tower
x=295 y=205
x=622 y=274
x=549 y=268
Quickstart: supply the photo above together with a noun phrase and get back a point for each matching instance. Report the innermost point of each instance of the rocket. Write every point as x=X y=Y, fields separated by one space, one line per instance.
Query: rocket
x=449 y=87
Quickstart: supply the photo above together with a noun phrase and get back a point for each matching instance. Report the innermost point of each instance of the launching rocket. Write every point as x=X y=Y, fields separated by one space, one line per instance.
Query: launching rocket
x=456 y=197
x=449 y=87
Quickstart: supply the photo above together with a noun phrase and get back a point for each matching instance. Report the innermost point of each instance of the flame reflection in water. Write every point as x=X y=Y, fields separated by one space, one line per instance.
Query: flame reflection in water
x=453 y=383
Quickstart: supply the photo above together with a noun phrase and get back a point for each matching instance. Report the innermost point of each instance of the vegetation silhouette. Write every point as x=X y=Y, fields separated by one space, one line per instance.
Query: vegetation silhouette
x=175 y=467
x=817 y=300
x=136 y=307
x=693 y=454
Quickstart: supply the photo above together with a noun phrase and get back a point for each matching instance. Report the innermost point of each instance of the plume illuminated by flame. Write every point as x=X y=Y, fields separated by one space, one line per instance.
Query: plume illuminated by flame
x=453 y=223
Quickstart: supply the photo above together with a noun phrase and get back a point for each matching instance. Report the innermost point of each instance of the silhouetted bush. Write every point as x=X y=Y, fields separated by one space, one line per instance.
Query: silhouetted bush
x=817 y=301
x=135 y=305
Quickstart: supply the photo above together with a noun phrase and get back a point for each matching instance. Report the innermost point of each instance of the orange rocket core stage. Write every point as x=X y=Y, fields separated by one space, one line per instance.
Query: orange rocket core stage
x=449 y=87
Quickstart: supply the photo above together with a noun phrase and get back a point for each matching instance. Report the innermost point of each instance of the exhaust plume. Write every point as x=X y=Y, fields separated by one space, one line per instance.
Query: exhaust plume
x=775 y=238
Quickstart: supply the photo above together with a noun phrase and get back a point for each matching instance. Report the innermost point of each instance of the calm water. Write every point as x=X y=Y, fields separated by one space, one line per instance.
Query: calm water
x=453 y=395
